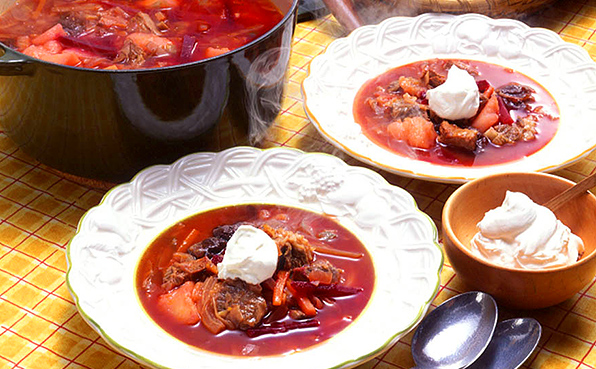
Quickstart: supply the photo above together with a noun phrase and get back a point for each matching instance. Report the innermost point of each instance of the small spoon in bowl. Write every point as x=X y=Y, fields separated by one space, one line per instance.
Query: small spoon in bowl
x=513 y=342
x=572 y=192
x=456 y=333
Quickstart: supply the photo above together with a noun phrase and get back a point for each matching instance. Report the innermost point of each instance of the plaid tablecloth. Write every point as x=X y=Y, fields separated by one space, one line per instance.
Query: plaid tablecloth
x=39 y=210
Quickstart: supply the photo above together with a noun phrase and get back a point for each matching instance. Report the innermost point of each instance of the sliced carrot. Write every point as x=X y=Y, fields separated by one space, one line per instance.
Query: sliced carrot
x=306 y=306
x=189 y=240
x=303 y=301
x=278 y=290
x=336 y=252
x=49 y=35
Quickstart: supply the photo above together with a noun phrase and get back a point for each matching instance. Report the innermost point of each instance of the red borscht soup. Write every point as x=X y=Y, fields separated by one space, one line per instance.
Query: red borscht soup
x=516 y=115
x=323 y=280
x=127 y=34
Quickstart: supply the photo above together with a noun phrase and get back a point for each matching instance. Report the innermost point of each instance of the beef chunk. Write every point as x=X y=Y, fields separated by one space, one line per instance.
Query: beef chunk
x=209 y=246
x=142 y=22
x=215 y=245
x=174 y=276
x=294 y=250
x=239 y=304
x=225 y=232
x=73 y=23
x=412 y=86
x=408 y=85
x=231 y=304
x=406 y=107
x=452 y=135
x=321 y=270
x=131 y=53
x=182 y=257
x=515 y=95
x=185 y=270
x=114 y=17
x=435 y=78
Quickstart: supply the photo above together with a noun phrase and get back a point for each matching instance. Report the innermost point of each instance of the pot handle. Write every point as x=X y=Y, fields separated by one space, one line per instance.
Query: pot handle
x=11 y=64
x=344 y=12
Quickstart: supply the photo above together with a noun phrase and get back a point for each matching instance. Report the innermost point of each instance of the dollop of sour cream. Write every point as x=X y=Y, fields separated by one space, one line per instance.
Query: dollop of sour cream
x=457 y=98
x=251 y=255
x=523 y=234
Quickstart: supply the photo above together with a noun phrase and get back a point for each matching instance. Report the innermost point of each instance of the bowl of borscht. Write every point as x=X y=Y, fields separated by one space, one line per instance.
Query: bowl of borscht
x=255 y=259
x=451 y=98
x=103 y=88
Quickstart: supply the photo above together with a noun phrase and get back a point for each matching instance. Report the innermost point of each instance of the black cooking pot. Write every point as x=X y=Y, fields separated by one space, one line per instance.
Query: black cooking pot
x=107 y=125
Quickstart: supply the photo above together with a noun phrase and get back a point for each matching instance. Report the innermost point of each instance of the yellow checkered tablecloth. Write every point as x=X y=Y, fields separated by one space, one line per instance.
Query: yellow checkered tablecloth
x=39 y=210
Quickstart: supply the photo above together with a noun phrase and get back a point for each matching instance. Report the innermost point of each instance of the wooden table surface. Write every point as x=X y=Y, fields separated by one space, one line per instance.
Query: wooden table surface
x=39 y=210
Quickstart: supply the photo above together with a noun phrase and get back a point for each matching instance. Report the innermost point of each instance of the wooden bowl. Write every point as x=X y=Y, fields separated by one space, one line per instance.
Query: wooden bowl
x=518 y=288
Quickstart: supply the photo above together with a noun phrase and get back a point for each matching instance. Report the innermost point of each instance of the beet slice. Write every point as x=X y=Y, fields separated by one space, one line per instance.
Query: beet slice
x=281 y=327
x=504 y=116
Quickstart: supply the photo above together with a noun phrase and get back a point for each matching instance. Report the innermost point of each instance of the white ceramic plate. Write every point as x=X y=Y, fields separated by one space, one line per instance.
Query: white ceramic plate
x=112 y=236
x=566 y=70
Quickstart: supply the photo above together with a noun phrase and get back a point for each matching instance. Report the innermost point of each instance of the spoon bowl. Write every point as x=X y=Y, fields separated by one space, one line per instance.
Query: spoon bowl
x=455 y=334
x=512 y=343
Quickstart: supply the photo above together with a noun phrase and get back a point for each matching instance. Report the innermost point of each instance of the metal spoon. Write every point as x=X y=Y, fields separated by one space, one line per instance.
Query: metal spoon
x=455 y=334
x=513 y=342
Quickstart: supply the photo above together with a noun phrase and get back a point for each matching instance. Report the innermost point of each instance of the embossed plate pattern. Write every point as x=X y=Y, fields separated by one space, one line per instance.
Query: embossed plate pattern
x=112 y=236
x=564 y=69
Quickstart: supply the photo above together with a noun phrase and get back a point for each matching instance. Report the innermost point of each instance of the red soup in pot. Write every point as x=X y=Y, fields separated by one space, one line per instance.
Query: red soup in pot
x=127 y=34
x=516 y=116
x=323 y=280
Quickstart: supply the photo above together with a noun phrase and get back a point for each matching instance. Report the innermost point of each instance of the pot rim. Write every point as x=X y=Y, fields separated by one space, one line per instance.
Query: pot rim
x=22 y=58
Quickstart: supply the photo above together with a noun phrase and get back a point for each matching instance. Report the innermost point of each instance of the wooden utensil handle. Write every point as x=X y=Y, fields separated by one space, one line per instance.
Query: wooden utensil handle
x=344 y=12
x=580 y=188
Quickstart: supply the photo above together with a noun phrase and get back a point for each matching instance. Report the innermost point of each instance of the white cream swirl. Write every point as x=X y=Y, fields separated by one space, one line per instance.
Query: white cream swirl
x=523 y=234
x=457 y=98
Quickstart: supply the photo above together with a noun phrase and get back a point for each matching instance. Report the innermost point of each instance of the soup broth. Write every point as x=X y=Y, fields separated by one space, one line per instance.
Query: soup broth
x=331 y=243
x=388 y=98
x=124 y=34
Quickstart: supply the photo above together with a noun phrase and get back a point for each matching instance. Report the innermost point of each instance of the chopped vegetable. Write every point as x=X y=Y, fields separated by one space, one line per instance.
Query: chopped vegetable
x=304 y=302
x=190 y=239
x=179 y=304
x=488 y=116
x=416 y=132
x=504 y=116
x=281 y=327
x=325 y=290
x=278 y=290
x=337 y=252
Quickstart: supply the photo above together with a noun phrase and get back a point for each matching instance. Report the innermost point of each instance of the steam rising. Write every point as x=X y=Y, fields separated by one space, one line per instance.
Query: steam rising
x=264 y=89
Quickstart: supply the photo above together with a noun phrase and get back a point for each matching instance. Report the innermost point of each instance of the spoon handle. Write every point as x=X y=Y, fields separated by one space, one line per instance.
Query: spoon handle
x=569 y=194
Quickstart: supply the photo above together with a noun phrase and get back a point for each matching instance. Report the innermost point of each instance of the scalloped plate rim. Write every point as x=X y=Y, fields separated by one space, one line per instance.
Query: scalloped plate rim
x=455 y=178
